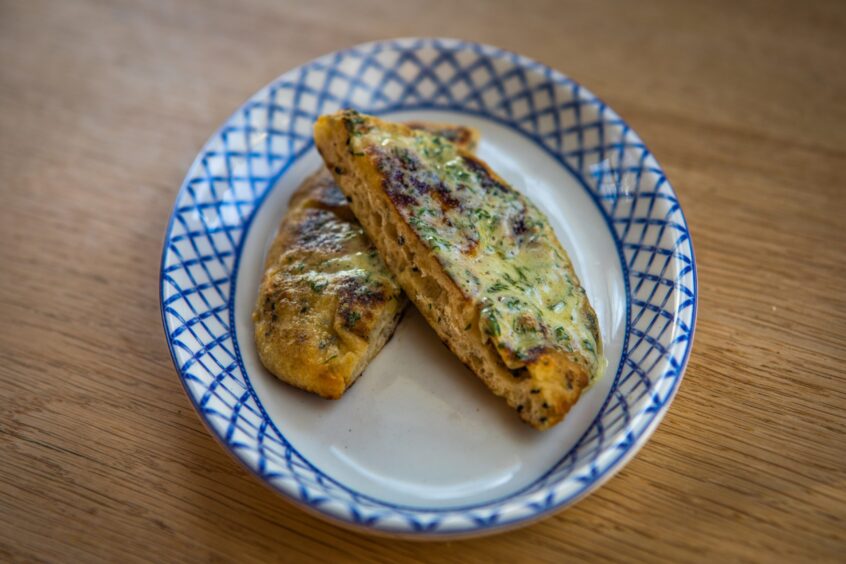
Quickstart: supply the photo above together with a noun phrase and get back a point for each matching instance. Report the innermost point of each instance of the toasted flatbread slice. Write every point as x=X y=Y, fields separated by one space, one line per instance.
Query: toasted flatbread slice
x=480 y=262
x=327 y=304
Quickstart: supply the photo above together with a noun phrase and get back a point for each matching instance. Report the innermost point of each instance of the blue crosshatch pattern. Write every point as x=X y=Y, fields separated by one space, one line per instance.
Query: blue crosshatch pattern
x=237 y=168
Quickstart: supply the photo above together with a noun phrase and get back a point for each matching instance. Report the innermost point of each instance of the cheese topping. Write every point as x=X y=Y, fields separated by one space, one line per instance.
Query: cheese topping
x=330 y=258
x=494 y=244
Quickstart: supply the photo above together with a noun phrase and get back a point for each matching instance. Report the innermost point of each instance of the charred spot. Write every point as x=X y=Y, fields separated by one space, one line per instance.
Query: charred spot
x=522 y=226
x=518 y=227
x=529 y=355
x=520 y=408
x=535 y=391
x=420 y=186
x=407 y=161
x=401 y=240
x=355 y=319
x=353 y=290
x=457 y=135
x=545 y=405
x=326 y=195
x=355 y=123
x=316 y=230
x=445 y=197
x=404 y=168
x=339 y=170
x=520 y=373
x=483 y=176
x=351 y=317
x=543 y=419
x=404 y=181
x=399 y=197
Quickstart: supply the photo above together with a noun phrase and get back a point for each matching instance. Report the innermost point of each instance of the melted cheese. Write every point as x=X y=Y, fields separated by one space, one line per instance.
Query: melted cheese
x=494 y=244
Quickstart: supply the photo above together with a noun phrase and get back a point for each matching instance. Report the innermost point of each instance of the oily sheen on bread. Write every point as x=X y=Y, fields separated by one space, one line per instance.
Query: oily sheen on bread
x=479 y=261
x=327 y=304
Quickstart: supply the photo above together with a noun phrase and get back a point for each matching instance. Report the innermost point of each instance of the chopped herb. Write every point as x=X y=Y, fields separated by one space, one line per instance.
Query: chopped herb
x=516 y=283
x=352 y=121
x=513 y=304
x=588 y=345
x=404 y=155
x=561 y=334
x=428 y=233
x=437 y=242
x=522 y=354
x=350 y=318
x=521 y=273
x=492 y=327
x=333 y=357
x=318 y=287
x=498 y=287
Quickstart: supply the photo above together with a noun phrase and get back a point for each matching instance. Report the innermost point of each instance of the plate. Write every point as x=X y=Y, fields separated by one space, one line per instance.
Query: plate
x=419 y=447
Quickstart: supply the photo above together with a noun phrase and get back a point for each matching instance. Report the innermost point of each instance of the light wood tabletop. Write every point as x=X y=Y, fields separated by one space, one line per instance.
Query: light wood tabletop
x=103 y=106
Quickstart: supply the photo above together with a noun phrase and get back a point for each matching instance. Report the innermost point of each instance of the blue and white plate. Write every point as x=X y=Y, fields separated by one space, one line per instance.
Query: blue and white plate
x=419 y=447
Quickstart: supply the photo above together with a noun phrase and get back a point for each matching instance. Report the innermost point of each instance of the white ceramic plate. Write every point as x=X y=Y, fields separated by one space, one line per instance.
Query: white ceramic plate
x=418 y=446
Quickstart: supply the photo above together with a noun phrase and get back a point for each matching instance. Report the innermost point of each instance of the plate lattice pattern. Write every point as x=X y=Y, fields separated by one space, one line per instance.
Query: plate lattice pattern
x=231 y=176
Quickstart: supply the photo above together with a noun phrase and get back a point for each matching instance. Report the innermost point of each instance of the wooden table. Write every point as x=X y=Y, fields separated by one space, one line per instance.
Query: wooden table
x=103 y=105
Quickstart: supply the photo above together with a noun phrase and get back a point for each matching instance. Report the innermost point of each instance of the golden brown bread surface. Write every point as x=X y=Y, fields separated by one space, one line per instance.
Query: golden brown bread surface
x=479 y=261
x=327 y=304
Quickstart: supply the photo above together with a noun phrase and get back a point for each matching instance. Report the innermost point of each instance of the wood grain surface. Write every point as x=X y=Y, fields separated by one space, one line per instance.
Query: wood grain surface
x=103 y=106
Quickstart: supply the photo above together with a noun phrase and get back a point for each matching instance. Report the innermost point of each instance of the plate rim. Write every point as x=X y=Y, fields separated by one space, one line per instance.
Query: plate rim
x=407 y=531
